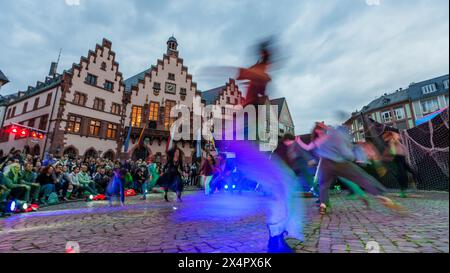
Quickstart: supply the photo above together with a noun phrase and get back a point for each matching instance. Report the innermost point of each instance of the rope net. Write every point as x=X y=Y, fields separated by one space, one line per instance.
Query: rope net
x=428 y=151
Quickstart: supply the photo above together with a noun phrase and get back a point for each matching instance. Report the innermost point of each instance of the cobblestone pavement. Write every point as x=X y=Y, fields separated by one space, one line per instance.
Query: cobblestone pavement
x=155 y=226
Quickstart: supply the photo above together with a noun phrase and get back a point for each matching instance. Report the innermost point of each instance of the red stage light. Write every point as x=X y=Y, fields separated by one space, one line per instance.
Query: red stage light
x=24 y=132
x=14 y=130
x=34 y=134
x=41 y=136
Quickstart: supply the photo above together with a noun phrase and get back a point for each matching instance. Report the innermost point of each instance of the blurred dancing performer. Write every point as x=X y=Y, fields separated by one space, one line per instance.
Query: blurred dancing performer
x=171 y=179
x=257 y=75
x=154 y=174
x=116 y=187
x=396 y=153
x=336 y=152
x=298 y=160
x=207 y=171
x=284 y=215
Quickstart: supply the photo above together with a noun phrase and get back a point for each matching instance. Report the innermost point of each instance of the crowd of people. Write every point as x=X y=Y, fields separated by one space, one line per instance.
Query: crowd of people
x=35 y=181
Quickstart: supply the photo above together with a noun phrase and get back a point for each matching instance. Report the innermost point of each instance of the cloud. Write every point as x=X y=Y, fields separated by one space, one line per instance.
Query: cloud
x=72 y=2
x=337 y=55
x=373 y=2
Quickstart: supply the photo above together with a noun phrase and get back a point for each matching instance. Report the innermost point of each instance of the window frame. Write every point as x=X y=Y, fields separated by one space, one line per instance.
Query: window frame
x=48 y=101
x=153 y=113
x=94 y=129
x=383 y=116
x=42 y=124
x=36 y=103
x=171 y=76
x=107 y=83
x=97 y=103
x=116 y=108
x=112 y=130
x=168 y=120
x=429 y=88
x=402 y=111
x=426 y=103
x=91 y=79
x=136 y=116
x=25 y=106
x=80 y=96
x=75 y=123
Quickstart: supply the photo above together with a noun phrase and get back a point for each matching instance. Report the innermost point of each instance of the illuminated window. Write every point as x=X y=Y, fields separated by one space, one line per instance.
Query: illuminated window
x=154 y=111
x=74 y=124
x=94 y=127
x=168 y=121
x=112 y=131
x=136 y=116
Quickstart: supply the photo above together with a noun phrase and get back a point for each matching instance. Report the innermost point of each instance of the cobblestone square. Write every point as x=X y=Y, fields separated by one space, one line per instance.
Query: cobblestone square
x=151 y=226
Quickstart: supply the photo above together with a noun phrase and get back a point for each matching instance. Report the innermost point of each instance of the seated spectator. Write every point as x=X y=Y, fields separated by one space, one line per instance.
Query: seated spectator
x=74 y=182
x=11 y=180
x=47 y=182
x=86 y=183
x=63 y=182
x=101 y=180
x=28 y=177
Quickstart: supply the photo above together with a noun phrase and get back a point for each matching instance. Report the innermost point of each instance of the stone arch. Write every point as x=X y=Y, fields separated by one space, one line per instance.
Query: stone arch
x=36 y=150
x=141 y=152
x=109 y=155
x=27 y=149
x=71 y=151
x=91 y=152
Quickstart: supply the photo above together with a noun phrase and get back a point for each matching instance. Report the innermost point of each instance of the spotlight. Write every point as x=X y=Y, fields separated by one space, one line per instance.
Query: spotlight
x=234 y=187
x=24 y=206
x=12 y=206
x=7 y=207
x=226 y=187
x=89 y=198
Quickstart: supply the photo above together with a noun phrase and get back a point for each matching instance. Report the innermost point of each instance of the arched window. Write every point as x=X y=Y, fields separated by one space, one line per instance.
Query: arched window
x=140 y=153
x=36 y=150
x=91 y=153
x=27 y=149
x=109 y=155
x=71 y=152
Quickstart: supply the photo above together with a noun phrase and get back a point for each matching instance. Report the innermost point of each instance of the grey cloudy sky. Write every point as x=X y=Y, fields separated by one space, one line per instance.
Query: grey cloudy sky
x=337 y=55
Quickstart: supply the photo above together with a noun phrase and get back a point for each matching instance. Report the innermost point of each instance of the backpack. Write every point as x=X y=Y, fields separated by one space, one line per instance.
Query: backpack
x=52 y=199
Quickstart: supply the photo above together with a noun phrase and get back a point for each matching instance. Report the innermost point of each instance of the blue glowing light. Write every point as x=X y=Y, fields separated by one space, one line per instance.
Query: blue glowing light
x=12 y=206
x=226 y=187
x=234 y=186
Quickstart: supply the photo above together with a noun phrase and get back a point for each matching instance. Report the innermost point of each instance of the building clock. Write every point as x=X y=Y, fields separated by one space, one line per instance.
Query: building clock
x=171 y=88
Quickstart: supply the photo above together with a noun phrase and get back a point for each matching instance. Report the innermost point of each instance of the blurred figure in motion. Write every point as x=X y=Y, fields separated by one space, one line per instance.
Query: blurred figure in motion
x=396 y=153
x=171 y=178
x=116 y=187
x=337 y=156
x=207 y=171
x=298 y=160
x=257 y=75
